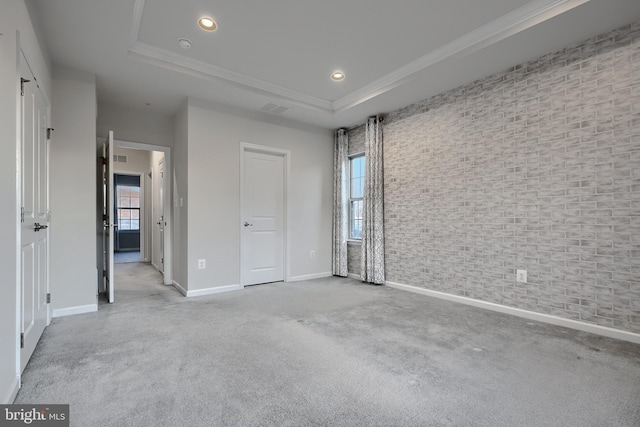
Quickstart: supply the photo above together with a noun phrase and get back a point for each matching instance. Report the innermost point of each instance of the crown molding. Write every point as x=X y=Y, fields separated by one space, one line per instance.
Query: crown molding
x=527 y=16
x=136 y=21
x=499 y=29
x=180 y=63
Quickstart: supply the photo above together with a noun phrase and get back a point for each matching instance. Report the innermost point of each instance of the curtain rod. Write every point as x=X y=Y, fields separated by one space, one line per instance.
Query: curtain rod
x=380 y=117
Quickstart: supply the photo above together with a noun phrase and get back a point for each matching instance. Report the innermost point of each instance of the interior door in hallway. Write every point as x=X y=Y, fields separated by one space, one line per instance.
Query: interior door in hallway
x=157 y=252
x=35 y=215
x=108 y=218
x=262 y=227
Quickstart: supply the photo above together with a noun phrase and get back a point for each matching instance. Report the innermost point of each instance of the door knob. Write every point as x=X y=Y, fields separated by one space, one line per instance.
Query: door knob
x=38 y=227
x=246 y=224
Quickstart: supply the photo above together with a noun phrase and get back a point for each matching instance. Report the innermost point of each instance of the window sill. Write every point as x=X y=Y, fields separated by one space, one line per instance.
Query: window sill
x=354 y=242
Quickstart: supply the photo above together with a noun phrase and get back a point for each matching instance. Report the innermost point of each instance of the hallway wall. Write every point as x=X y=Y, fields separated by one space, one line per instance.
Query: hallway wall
x=134 y=125
x=213 y=167
x=73 y=193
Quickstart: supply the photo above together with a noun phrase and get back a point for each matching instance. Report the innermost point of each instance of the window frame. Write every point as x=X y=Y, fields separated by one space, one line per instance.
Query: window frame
x=352 y=199
x=119 y=208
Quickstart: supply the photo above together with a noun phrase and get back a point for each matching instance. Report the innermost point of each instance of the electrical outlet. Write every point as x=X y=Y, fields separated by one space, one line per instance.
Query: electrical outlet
x=202 y=264
x=521 y=276
x=312 y=254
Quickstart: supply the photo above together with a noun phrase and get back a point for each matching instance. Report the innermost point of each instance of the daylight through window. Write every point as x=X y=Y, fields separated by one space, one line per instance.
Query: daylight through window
x=356 y=192
x=128 y=207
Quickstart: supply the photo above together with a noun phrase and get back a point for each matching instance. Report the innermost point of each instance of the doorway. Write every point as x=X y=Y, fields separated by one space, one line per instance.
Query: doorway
x=129 y=215
x=136 y=184
x=263 y=210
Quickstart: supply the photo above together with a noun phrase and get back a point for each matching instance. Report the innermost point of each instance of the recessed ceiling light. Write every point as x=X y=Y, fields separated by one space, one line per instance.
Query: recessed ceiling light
x=207 y=24
x=184 y=43
x=337 y=76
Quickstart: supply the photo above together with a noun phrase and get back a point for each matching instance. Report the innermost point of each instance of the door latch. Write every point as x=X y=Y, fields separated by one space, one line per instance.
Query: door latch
x=37 y=227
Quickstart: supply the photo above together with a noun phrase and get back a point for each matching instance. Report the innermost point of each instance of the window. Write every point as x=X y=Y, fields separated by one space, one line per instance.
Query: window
x=356 y=191
x=128 y=199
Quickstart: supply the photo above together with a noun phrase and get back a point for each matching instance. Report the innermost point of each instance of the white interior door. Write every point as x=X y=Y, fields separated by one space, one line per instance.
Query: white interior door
x=34 y=233
x=157 y=255
x=262 y=227
x=162 y=222
x=109 y=218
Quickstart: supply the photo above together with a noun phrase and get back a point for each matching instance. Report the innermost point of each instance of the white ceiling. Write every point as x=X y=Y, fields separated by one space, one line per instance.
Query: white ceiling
x=283 y=51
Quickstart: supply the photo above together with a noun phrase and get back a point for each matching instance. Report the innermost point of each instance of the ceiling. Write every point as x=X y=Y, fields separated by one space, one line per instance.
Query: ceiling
x=282 y=52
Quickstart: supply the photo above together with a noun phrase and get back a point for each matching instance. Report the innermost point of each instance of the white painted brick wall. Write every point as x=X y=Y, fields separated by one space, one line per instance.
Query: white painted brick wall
x=536 y=168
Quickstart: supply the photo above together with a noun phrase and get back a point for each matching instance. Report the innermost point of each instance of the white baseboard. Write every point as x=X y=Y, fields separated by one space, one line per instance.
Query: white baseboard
x=309 y=277
x=81 y=309
x=12 y=392
x=531 y=315
x=182 y=290
x=207 y=291
x=354 y=276
x=216 y=290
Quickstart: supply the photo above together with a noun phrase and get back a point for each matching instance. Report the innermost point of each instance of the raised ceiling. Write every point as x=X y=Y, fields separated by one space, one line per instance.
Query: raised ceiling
x=283 y=52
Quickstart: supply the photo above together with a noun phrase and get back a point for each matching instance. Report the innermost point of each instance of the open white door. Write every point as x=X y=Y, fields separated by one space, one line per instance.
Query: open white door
x=34 y=233
x=158 y=209
x=109 y=217
x=262 y=228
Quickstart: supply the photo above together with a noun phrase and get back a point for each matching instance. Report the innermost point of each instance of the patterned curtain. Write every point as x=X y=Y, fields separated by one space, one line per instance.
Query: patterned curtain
x=340 y=192
x=372 y=262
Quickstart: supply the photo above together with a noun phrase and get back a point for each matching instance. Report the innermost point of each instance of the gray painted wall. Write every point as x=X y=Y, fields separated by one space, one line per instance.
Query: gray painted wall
x=214 y=194
x=137 y=161
x=535 y=168
x=73 y=191
x=180 y=186
x=135 y=125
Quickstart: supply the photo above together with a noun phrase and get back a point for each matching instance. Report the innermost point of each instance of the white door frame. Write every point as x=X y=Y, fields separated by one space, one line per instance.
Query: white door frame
x=286 y=155
x=168 y=207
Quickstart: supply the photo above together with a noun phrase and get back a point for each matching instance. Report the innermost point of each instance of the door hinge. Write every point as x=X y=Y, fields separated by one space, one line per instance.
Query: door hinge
x=22 y=214
x=22 y=82
x=103 y=160
x=49 y=130
x=22 y=340
x=49 y=298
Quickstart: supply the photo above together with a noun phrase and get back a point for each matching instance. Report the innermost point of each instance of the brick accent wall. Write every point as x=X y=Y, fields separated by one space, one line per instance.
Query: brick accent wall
x=536 y=168
x=354 y=256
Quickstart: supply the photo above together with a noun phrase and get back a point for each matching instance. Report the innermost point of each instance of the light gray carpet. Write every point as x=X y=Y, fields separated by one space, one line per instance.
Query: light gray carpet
x=328 y=352
x=126 y=257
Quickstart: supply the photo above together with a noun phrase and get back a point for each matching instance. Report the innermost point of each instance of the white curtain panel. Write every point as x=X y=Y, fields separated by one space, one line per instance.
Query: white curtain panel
x=340 y=192
x=372 y=262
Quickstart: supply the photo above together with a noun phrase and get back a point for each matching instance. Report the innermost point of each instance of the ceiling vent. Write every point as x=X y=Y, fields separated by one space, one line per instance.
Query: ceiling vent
x=119 y=158
x=272 y=108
